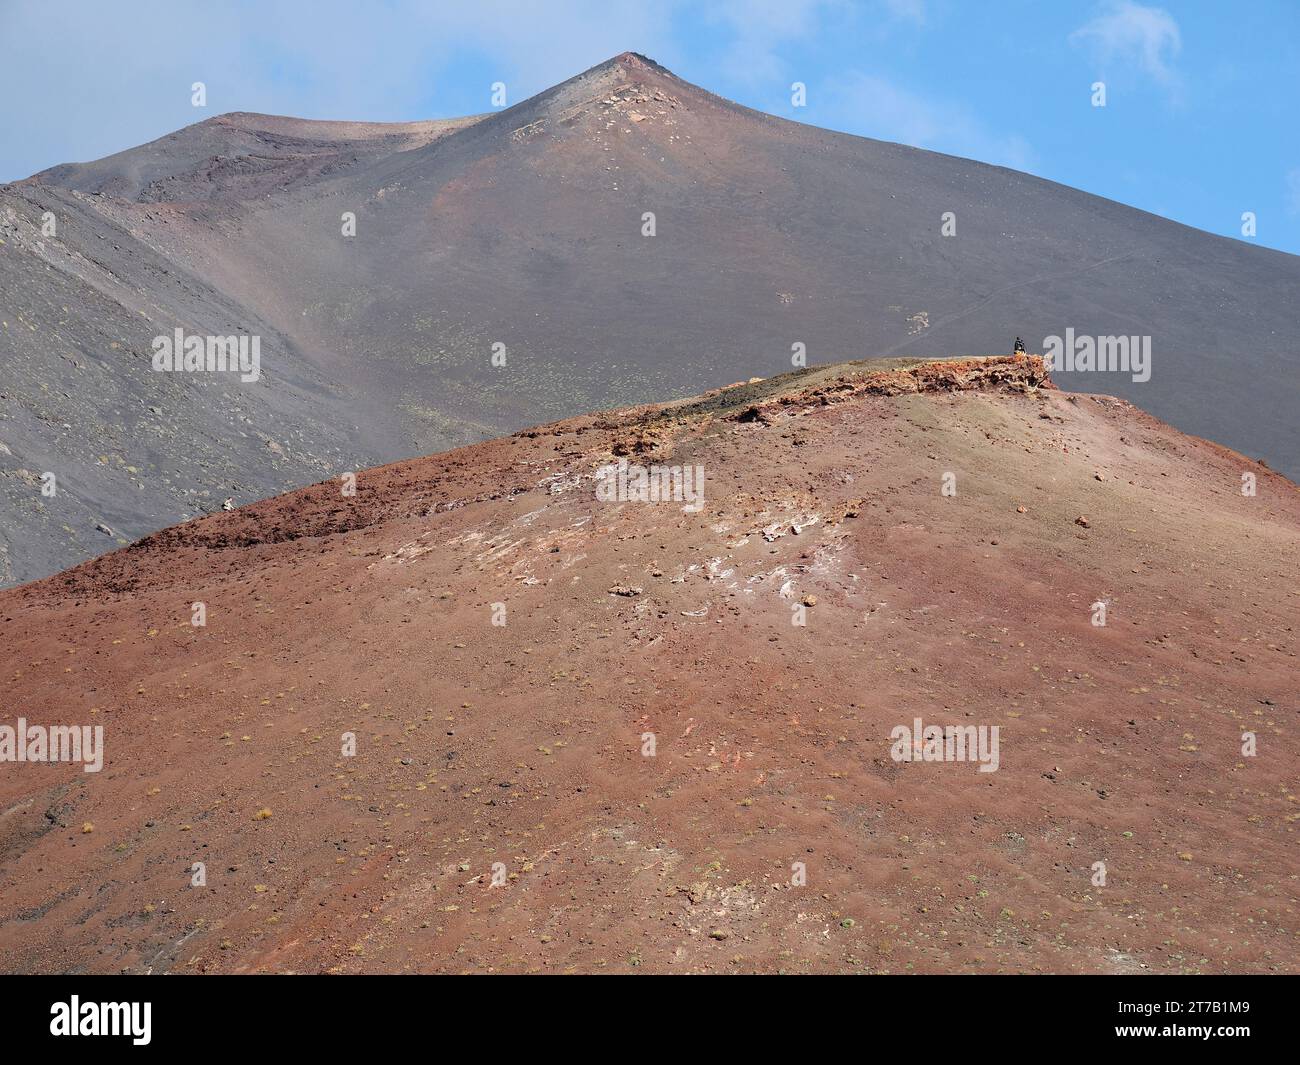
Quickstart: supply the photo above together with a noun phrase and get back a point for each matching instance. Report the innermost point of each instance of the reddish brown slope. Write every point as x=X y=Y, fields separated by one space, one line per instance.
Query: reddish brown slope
x=522 y=744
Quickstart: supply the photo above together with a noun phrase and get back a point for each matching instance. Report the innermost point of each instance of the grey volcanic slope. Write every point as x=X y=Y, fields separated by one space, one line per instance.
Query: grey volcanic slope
x=524 y=228
x=241 y=156
x=133 y=450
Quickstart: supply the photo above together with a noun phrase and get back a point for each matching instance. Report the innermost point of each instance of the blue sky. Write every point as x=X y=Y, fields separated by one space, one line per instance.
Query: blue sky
x=1200 y=120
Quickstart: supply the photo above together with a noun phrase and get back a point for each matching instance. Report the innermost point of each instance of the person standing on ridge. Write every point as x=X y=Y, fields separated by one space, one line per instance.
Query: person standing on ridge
x=1019 y=349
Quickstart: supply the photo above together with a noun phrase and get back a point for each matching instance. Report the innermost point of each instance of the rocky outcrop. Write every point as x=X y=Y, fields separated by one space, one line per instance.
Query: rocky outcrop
x=998 y=373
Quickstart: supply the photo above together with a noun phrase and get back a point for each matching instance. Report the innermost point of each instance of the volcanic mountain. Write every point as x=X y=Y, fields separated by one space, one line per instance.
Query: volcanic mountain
x=482 y=716
x=383 y=267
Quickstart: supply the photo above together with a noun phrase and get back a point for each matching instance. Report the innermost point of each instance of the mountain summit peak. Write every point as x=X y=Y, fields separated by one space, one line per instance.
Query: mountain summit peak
x=596 y=87
x=635 y=61
x=634 y=64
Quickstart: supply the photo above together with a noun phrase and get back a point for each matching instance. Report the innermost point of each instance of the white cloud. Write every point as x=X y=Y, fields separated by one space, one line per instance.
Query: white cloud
x=1148 y=38
x=874 y=107
x=759 y=28
x=907 y=10
x=762 y=30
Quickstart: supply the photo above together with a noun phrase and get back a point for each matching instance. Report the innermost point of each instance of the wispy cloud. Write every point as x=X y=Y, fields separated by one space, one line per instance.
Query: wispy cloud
x=760 y=29
x=1146 y=38
x=876 y=107
x=907 y=10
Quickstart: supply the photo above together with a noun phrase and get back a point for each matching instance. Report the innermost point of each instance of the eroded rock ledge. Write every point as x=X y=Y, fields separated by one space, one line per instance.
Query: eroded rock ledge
x=1000 y=373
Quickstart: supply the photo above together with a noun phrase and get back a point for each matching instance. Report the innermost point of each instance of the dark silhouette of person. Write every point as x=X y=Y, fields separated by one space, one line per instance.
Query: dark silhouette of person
x=1019 y=349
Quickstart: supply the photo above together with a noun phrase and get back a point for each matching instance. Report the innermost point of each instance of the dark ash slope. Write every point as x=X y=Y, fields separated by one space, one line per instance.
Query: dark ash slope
x=524 y=228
